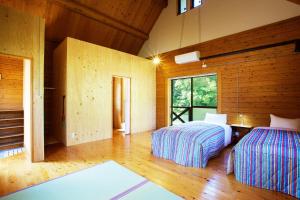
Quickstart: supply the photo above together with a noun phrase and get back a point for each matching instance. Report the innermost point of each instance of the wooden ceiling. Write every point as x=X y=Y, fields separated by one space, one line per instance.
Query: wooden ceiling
x=295 y=1
x=119 y=24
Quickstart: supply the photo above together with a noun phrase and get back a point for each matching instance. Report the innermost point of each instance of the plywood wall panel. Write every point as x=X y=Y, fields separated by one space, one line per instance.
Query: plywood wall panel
x=254 y=84
x=22 y=35
x=89 y=75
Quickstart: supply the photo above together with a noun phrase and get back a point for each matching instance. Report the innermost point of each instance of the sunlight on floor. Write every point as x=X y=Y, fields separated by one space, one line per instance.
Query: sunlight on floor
x=11 y=152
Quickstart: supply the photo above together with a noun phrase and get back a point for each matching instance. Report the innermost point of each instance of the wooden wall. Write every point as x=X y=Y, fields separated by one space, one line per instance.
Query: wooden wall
x=254 y=84
x=11 y=83
x=22 y=35
x=88 y=89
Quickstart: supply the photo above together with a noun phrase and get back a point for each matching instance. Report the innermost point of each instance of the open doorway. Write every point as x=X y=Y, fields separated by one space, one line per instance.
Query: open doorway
x=15 y=105
x=121 y=105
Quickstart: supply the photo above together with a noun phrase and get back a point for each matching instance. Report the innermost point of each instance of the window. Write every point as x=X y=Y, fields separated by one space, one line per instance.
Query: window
x=182 y=6
x=192 y=98
x=196 y=3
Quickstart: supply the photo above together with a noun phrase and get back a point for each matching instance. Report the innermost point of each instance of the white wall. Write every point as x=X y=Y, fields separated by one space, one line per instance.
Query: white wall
x=214 y=19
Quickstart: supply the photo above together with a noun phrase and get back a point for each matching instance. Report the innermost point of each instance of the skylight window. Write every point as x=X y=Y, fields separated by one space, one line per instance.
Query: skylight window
x=182 y=6
x=185 y=5
x=196 y=3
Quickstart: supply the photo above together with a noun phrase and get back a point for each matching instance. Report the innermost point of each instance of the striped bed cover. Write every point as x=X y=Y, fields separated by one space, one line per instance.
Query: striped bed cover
x=269 y=158
x=190 y=144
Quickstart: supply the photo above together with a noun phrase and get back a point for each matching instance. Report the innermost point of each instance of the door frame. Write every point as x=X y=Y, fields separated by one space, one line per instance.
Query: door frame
x=27 y=106
x=128 y=112
x=27 y=103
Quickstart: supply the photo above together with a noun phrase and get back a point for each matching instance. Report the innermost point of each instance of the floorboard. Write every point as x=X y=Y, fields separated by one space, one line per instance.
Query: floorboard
x=132 y=152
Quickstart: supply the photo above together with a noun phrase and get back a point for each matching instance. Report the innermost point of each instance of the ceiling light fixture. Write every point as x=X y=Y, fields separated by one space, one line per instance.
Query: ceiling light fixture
x=156 y=60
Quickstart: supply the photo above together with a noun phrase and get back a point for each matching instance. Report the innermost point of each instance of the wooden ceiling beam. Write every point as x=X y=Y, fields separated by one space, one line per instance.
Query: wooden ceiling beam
x=295 y=1
x=95 y=15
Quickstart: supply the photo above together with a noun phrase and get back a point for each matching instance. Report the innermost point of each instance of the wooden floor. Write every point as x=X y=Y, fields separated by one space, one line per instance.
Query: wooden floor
x=134 y=153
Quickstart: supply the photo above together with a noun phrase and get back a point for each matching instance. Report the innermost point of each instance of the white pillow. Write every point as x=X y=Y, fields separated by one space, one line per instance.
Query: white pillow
x=279 y=122
x=216 y=118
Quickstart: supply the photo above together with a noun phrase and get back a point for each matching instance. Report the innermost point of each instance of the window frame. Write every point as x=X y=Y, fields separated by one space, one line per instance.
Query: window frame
x=191 y=107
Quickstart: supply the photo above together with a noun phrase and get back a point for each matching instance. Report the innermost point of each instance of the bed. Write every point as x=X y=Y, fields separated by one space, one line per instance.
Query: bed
x=268 y=158
x=191 y=144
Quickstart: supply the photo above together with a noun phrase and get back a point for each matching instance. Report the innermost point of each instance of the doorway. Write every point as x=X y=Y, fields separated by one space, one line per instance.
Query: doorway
x=15 y=104
x=121 y=105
